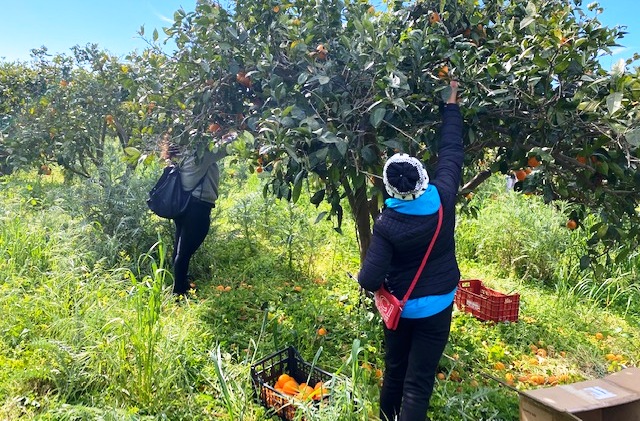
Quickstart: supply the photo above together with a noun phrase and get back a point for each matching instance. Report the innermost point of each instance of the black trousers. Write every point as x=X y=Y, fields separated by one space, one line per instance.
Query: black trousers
x=191 y=230
x=412 y=353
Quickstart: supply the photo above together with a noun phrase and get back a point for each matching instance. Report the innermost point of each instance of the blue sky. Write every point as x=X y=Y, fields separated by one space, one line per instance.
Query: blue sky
x=113 y=24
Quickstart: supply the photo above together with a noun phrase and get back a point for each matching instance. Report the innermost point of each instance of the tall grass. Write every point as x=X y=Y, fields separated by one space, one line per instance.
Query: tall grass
x=89 y=329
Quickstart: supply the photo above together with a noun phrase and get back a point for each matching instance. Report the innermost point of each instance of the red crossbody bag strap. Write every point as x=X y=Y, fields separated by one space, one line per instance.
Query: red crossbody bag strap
x=424 y=259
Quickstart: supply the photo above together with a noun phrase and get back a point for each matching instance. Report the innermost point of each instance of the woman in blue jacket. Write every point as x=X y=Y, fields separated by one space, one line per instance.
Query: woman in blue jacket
x=401 y=235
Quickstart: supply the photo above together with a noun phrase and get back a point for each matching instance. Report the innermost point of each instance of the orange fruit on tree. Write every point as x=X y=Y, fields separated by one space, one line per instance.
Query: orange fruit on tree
x=499 y=366
x=45 y=169
x=599 y=336
x=322 y=331
x=443 y=72
x=520 y=175
x=213 y=127
x=572 y=224
x=64 y=83
x=259 y=169
x=434 y=17
x=441 y=376
x=109 y=119
x=243 y=80
x=581 y=159
x=533 y=162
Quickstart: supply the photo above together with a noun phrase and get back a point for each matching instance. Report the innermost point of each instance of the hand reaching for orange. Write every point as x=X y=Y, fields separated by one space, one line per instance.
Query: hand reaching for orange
x=453 y=96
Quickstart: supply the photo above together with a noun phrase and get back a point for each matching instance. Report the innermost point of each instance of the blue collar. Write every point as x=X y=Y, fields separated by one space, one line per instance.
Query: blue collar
x=427 y=204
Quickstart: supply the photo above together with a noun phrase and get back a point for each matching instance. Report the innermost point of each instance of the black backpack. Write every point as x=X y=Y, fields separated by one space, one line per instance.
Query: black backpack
x=167 y=198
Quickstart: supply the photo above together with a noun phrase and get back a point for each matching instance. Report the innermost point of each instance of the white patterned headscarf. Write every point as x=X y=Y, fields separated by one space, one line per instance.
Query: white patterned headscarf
x=405 y=177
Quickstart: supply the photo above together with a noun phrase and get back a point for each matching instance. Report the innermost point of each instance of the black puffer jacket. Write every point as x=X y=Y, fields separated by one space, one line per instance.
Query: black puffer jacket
x=400 y=241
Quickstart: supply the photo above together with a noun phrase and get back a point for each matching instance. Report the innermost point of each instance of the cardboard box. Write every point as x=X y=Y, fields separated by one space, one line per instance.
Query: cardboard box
x=613 y=398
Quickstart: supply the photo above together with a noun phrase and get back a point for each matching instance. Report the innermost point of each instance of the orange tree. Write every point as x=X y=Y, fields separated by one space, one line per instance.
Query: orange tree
x=19 y=85
x=80 y=100
x=329 y=89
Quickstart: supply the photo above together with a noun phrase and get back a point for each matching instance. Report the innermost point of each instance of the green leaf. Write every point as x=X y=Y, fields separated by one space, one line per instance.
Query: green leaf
x=633 y=137
x=297 y=188
x=614 y=102
x=155 y=34
x=320 y=216
x=132 y=152
x=585 y=261
x=527 y=21
x=323 y=80
x=317 y=197
x=377 y=116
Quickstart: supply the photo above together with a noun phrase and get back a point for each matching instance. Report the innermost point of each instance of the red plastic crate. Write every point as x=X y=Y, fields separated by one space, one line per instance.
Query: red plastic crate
x=486 y=303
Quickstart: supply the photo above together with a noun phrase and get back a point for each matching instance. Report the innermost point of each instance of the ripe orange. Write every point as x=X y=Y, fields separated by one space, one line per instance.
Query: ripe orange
x=322 y=331
x=443 y=72
x=64 y=83
x=259 y=169
x=434 y=17
x=537 y=379
x=542 y=352
x=599 y=336
x=581 y=159
x=44 y=169
x=297 y=288
x=441 y=376
x=499 y=366
x=520 y=175
x=213 y=127
x=572 y=224
x=227 y=288
x=291 y=387
x=276 y=9
x=243 y=80
x=220 y=287
x=109 y=119
x=533 y=162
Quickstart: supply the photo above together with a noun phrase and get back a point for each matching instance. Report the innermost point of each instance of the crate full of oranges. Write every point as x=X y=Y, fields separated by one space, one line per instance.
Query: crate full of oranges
x=284 y=381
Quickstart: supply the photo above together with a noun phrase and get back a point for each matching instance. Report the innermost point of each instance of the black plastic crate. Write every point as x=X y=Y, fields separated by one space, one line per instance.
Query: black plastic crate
x=265 y=373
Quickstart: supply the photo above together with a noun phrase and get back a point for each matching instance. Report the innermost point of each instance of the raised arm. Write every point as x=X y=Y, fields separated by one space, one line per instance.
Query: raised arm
x=451 y=153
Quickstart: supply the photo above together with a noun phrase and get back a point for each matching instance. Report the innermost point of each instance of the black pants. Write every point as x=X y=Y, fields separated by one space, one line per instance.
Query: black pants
x=191 y=230
x=412 y=353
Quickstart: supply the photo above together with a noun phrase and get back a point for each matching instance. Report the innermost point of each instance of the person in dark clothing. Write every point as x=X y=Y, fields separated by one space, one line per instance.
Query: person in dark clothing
x=401 y=235
x=202 y=175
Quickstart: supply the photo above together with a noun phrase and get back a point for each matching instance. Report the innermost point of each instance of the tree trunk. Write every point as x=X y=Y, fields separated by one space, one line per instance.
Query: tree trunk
x=360 y=211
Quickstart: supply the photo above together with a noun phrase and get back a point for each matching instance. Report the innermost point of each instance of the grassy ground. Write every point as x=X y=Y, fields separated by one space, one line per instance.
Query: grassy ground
x=89 y=330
